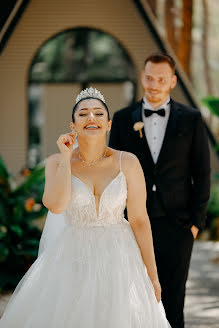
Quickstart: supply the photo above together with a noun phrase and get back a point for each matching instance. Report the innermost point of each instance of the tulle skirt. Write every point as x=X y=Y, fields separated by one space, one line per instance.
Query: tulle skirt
x=90 y=277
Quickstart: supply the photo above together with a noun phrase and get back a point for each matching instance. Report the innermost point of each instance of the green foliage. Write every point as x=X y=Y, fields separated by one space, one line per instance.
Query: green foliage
x=213 y=210
x=213 y=205
x=212 y=103
x=19 y=238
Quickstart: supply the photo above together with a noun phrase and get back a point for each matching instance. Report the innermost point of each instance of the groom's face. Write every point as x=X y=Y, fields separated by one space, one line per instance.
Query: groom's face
x=158 y=79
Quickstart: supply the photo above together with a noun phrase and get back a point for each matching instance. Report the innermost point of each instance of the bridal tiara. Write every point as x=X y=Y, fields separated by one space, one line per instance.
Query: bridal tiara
x=90 y=92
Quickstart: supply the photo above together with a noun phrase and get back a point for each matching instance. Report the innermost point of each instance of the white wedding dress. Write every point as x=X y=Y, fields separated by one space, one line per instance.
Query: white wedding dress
x=91 y=275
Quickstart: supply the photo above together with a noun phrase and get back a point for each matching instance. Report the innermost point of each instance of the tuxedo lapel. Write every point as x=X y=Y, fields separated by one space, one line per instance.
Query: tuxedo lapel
x=171 y=131
x=141 y=143
x=137 y=113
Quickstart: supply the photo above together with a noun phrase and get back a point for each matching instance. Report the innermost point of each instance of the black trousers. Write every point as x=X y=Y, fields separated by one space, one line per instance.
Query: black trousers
x=173 y=247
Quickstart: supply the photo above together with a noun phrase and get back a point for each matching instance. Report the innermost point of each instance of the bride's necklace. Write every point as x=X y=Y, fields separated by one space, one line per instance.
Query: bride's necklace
x=94 y=162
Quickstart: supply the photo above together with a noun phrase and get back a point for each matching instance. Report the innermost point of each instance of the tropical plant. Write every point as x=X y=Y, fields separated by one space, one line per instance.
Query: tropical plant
x=213 y=211
x=212 y=103
x=19 y=238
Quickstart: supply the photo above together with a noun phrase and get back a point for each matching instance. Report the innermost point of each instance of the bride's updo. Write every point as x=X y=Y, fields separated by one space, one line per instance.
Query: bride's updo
x=89 y=93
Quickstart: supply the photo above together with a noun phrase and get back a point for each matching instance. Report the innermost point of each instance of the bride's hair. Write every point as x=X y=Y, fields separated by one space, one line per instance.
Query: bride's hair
x=76 y=106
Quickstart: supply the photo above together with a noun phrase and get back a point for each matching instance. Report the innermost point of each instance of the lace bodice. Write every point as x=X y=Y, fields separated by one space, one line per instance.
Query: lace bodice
x=81 y=210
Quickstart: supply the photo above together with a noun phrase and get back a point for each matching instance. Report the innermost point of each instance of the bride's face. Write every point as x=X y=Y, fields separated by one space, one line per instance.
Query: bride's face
x=91 y=119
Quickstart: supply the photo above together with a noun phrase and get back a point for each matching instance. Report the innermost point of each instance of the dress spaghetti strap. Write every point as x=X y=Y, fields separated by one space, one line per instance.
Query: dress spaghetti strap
x=120 y=160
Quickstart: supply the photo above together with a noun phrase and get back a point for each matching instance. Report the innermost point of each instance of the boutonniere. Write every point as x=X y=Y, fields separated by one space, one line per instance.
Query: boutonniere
x=138 y=127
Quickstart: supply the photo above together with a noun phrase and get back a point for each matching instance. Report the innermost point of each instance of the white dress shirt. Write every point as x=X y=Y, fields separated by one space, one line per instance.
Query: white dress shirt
x=155 y=127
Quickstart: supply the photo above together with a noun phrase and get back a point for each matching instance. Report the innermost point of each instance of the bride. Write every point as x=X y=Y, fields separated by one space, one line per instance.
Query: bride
x=100 y=270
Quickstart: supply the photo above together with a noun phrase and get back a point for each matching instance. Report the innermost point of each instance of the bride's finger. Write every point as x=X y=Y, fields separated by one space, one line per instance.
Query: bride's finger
x=72 y=137
x=66 y=139
x=70 y=140
x=158 y=295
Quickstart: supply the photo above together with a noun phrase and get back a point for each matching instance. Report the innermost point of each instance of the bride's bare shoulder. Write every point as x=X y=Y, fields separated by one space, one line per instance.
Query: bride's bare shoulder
x=130 y=162
x=126 y=156
x=53 y=160
x=129 y=158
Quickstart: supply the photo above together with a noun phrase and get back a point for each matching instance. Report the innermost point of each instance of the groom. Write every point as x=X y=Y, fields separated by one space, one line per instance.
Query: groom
x=172 y=148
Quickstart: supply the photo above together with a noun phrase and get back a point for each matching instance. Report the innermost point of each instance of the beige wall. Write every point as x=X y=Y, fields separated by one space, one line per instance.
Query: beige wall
x=57 y=101
x=56 y=104
x=40 y=21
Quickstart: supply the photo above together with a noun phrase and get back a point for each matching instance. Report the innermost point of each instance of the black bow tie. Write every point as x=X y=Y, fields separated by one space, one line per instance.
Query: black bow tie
x=149 y=112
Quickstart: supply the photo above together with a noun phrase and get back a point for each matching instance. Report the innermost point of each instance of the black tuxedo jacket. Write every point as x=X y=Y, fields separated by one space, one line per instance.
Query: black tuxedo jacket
x=182 y=172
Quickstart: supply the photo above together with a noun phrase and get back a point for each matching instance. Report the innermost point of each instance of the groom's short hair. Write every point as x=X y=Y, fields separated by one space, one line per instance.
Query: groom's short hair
x=161 y=58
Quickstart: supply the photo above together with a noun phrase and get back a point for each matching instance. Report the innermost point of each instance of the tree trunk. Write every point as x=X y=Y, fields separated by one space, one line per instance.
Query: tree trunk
x=170 y=23
x=205 y=47
x=153 y=6
x=185 y=42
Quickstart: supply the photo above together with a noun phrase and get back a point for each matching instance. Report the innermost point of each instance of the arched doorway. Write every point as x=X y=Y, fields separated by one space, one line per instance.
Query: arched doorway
x=65 y=64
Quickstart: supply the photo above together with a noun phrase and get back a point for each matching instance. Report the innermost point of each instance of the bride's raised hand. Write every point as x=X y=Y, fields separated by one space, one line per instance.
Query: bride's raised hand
x=65 y=144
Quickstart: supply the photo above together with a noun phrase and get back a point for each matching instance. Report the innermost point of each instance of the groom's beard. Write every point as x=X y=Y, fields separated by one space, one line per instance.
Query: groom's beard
x=157 y=97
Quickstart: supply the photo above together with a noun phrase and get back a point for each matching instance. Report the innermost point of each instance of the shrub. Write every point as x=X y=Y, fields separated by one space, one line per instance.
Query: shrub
x=19 y=238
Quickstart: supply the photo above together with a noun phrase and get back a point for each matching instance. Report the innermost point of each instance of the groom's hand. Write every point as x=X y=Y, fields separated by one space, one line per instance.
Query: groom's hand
x=194 y=230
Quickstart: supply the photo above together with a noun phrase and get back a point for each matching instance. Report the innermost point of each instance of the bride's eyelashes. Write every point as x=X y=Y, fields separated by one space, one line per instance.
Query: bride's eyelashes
x=97 y=114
